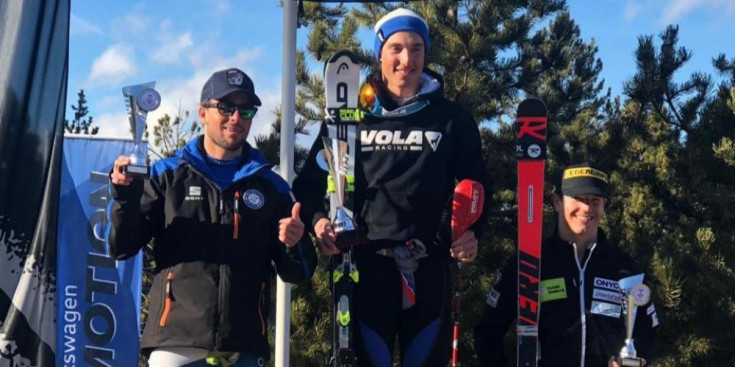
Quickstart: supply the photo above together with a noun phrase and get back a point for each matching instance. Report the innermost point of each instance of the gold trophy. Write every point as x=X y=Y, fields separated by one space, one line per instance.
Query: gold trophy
x=139 y=100
x=635 y=294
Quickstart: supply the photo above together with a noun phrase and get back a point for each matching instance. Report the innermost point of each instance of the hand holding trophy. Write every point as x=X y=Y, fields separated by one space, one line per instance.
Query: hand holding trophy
x=139 y=99
x=635 y=294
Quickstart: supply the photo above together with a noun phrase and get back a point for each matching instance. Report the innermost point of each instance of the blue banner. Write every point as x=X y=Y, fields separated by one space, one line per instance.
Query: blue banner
x=98 y=297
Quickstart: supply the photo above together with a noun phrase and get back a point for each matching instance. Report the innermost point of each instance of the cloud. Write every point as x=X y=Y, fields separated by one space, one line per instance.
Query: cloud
x=171 y=48
x=131 y=27
x=677 y=9
x=79 y=27
x=115 y=64
x=113 y=125
x=631 y=10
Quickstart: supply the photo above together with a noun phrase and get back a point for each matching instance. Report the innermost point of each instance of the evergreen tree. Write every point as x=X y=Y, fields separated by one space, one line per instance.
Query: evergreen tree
x=668 y=147
x=80 y=125
x=170 y=133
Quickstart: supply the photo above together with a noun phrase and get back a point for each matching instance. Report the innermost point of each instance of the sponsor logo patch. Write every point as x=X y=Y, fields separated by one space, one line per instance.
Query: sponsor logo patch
x=605 y=309
x=195 y=194
x=492 y=298
x=552 y=289
x=610 y=296
x=397 y=140
x=654 y=319
x=651 y=309
x=607 y=284
x=254 y=199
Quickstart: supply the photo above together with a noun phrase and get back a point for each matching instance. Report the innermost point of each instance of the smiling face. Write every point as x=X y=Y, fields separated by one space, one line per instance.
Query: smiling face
x=401 y=62
x=579 y=217
x=224 y=136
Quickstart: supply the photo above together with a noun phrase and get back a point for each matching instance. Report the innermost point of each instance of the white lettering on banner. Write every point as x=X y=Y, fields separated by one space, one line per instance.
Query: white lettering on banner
x=71 y=318
x=605 y=309
x=610 y=296
x=607 y=283
x=387 y=140
x=99 y=321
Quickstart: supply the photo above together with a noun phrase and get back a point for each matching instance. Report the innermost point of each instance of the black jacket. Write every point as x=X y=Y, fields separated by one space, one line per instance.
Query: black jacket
x=406 y=168
x=211 y=288
x=561 y=321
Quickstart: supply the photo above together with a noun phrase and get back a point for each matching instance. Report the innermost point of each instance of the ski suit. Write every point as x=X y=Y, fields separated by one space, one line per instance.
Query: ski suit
x=407 y=163
x=581 y=322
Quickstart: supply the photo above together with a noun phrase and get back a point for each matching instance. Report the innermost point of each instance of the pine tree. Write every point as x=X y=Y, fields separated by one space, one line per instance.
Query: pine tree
x=80 y=125
x=669 y=146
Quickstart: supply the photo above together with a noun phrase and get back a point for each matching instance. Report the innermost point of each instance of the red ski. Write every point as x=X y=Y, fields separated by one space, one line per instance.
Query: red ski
x=531 y=151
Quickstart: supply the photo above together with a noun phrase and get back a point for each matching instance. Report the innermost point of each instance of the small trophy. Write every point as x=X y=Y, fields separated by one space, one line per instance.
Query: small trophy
x=336 y=155
x=139 y=100
x=635 y=294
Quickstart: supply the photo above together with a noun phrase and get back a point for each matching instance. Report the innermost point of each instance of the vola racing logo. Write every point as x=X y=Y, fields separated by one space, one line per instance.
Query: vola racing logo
x=373 y=140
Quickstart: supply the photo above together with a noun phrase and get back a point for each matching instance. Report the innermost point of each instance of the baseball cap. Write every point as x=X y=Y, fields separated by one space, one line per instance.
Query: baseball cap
x=582 y=178
x=396 y=21
x=227 y=81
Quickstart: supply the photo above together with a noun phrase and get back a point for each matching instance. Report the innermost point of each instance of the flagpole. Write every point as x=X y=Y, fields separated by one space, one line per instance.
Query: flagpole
x=288 y=102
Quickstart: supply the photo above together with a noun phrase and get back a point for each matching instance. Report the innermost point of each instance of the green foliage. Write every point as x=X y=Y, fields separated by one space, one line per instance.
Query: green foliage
x=170 y=133
x=80 y=125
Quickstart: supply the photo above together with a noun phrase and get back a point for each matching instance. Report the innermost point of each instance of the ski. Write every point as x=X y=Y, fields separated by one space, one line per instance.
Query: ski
x=342 y=82
x=530 y=151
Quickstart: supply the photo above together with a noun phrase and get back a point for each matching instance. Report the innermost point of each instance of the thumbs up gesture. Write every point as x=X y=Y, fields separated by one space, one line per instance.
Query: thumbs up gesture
x=291 y=229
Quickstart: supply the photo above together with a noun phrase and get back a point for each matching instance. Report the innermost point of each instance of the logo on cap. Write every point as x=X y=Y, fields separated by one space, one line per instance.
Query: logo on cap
x=235 y=77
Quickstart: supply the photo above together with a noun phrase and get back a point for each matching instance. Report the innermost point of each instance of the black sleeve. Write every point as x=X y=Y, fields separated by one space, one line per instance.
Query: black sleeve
x=469 y=162
x=293 y=264
x=135 y=214
x=497 y=315
x=310 y=186
x=644 y=332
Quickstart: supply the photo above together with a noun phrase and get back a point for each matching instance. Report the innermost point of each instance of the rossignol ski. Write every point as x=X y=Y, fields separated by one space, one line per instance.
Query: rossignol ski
x=342 y=82
x=531 y=151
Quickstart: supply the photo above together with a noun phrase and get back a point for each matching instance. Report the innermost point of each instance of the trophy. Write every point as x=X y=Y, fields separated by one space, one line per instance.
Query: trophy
x=139 y=100
x=635 y=294
x=341 y=79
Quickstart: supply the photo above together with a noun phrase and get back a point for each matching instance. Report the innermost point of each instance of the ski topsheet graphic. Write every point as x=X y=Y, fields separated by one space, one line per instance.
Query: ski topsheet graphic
x=531 y=151
x=342 y=82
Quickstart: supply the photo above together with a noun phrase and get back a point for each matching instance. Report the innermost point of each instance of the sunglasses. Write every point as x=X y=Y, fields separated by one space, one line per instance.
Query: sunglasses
x=226 y=109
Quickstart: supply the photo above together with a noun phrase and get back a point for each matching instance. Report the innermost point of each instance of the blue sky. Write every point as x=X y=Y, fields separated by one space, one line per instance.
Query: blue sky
x=179 y=44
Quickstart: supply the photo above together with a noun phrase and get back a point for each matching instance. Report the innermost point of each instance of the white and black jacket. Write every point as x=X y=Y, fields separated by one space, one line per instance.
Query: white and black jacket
x=215 y=249
x=407 y=164
x=580 y=316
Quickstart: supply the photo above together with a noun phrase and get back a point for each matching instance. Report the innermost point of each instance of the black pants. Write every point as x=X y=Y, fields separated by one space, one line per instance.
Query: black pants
x=424 y=330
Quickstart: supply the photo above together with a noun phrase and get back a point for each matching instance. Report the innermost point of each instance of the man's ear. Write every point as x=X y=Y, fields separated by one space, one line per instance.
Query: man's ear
x=557 y=201
x=201 y=114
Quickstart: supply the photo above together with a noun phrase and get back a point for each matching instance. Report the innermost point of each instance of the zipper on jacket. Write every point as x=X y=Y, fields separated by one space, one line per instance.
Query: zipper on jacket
x=582 y=308
x=236 y=230
x=168 y=299
x=220 y=241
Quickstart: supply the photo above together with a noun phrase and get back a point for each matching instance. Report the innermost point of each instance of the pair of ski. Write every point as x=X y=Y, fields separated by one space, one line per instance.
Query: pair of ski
x=342 y=81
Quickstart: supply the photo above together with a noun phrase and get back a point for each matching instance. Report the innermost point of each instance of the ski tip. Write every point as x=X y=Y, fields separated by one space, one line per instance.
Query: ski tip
x=339 y=54
x=531 y=107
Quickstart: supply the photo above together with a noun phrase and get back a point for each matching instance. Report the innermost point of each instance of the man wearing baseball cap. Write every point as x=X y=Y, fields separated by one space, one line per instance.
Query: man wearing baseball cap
x=401 y=191
x=581 y=318
x=221 y=221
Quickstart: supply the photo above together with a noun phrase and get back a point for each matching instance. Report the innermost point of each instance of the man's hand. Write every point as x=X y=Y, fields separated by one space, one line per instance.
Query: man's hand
x=464 y=249
x=118 y=177
x=291 y=229
x=325 y=237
